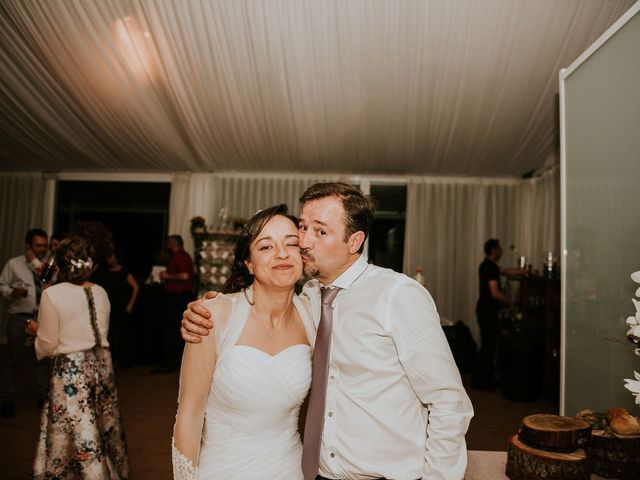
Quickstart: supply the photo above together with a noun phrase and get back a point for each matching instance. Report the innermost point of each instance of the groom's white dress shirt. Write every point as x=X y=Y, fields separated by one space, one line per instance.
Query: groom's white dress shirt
x=396 y=407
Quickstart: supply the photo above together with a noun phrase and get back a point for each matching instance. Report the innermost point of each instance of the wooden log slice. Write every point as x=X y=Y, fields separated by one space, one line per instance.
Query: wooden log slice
x=553 y=432
x=616 y=456
x=529 y=463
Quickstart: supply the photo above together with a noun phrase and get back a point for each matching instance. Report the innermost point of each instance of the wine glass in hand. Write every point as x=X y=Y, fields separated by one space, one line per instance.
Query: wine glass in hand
x=19 y=289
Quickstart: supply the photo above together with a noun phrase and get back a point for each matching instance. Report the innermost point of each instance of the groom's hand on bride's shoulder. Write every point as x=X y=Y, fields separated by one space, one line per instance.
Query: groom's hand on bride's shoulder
x=196 y=320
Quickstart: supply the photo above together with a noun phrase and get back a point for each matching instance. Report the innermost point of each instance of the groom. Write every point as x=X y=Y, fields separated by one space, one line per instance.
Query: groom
x=386 y=397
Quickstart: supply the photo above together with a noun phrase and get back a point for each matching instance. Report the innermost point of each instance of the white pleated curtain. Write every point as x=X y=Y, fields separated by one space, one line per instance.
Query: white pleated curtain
x=241 y=195
x=448 y=221
x=21 y=209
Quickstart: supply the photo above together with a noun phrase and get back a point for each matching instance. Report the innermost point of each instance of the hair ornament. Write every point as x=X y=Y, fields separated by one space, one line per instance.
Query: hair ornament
x=81 y=264
x=244 y=227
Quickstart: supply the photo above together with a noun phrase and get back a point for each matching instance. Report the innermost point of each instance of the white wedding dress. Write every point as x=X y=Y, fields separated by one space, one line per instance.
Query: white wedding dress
x=250 y=426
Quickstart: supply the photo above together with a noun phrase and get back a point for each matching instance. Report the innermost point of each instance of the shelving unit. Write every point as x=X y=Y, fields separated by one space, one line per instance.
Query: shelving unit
x=537 y=326
x=213 y=259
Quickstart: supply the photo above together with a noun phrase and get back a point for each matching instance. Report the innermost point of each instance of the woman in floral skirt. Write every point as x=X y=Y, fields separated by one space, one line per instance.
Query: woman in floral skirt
x=81 y=431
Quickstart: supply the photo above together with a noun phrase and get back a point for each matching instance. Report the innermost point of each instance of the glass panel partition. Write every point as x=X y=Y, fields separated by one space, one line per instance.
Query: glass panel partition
x=600 y=116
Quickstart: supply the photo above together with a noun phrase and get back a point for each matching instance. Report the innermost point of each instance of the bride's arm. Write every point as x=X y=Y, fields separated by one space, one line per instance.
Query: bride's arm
x=196 y=375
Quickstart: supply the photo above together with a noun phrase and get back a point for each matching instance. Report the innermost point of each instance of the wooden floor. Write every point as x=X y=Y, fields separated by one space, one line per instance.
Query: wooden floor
x=148 y=406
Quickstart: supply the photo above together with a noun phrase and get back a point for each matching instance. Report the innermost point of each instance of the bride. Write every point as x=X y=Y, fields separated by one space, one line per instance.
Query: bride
x=242 y=387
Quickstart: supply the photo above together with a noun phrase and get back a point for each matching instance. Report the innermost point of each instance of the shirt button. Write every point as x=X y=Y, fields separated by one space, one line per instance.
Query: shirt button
x=332 y=377
x=331 y=414
x=332 y=455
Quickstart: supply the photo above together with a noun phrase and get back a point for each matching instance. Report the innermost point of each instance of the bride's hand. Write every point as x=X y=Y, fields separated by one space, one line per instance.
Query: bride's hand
x=196 y=320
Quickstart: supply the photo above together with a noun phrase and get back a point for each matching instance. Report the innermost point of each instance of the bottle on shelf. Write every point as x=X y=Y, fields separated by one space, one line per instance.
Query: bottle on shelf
x=550 y=266
x=515 y=254
x=419 y=276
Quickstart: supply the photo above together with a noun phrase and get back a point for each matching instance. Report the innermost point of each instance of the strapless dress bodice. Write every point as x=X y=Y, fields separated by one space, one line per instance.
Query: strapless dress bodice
x=251 y=419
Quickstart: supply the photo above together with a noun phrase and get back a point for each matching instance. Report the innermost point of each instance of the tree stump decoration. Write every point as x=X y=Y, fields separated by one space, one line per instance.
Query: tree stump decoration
x=528 y=463
x=614 y=456
x=553 y=432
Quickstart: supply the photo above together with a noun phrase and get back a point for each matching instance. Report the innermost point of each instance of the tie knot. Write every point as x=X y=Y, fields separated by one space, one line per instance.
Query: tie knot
x=328 y=294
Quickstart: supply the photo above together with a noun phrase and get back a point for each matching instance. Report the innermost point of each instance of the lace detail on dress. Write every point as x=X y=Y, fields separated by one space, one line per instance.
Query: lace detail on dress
x=183 y=469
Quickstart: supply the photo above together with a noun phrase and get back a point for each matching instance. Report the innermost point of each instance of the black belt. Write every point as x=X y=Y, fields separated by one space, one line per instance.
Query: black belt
x=23 y=314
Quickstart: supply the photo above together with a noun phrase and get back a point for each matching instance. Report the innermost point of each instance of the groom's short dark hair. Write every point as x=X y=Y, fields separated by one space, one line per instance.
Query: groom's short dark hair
x=358 y=207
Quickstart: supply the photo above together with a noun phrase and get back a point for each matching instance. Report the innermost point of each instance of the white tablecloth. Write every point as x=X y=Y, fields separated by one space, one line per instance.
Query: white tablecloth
x=483 y=465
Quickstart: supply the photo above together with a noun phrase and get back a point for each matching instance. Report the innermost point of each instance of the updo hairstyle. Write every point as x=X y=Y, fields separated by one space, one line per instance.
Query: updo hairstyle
x=99 y=236
x=74 y=260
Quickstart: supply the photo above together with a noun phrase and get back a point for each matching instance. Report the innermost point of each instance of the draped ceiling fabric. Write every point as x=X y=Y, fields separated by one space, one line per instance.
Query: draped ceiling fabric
x=431 y=87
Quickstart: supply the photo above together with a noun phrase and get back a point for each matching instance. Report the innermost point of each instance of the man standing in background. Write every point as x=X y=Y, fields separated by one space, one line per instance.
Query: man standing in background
x=178 y=289
x=21 y=288
x=491 y=300
x=45 y=266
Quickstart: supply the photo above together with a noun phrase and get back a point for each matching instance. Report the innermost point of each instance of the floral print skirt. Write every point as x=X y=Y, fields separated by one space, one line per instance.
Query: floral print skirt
x=81 y=431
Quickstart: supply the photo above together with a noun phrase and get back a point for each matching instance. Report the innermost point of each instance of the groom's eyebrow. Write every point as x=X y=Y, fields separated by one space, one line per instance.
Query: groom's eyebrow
x=319 y=222
x=313 y=221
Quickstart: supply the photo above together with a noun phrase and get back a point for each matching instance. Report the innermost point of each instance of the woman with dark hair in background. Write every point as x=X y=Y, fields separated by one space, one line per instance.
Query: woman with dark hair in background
x=81 y=431
x=259 y=360
x=123 y=290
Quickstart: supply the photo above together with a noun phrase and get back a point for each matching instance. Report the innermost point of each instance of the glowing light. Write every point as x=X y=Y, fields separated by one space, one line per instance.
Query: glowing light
x=134 y=48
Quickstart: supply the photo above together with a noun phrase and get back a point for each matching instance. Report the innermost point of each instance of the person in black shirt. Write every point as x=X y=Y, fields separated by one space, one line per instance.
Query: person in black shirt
x=122 y=290
x=491 y=300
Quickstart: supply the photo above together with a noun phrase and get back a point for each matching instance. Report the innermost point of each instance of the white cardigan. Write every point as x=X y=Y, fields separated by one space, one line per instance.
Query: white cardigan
x=64 y=322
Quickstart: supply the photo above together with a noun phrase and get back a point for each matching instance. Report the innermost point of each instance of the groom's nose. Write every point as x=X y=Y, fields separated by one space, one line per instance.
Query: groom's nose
x=304 y=244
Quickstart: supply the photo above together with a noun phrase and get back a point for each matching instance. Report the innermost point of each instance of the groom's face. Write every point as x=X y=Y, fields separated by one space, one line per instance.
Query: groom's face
x=323 y=242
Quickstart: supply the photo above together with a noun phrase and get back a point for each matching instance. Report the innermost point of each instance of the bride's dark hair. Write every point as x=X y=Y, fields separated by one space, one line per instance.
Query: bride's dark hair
x=240 y=277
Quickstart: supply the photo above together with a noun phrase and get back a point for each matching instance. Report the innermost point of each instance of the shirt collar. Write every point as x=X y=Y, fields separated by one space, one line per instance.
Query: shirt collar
x=346 y=279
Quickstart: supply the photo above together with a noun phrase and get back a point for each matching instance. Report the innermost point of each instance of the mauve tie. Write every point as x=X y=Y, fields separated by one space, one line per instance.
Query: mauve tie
x=317 y=398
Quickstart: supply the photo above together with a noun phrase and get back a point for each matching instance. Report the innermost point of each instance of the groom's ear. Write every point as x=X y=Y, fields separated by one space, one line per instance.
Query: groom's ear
x=355 y=242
